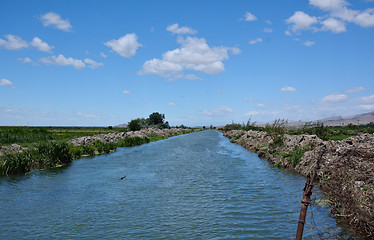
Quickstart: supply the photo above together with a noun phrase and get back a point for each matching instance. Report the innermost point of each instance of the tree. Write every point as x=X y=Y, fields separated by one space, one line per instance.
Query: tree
x=135 y=125
x=156 y=119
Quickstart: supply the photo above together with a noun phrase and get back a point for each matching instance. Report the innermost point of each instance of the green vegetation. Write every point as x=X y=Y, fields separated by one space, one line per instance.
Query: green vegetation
x=51 y=154
x=295 y=156
x=247 y=126
x=26 y=136
x=335 y=133
x=48 y=147
x=277 y=128
x=155 y=120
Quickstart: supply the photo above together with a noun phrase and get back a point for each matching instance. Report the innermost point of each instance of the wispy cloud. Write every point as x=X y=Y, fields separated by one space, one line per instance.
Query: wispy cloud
x=309 y=43
x=354 y=90
x=288 y=89
x=6 y=82
x=63 y=61
x=334 y=98
x=171 y=104
x=93 y=64
x=180 y=30
x=126 y=92
x=13 y=42
x=268 y=30
x=221 y=92
x=25 y=60
x=219 y=111
x=257 y=40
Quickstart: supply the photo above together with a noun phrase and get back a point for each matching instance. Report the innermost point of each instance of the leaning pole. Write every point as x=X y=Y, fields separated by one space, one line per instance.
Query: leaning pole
x=307 y=192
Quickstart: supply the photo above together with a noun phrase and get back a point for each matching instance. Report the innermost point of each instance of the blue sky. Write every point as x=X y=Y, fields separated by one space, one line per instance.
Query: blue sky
x=101 y=63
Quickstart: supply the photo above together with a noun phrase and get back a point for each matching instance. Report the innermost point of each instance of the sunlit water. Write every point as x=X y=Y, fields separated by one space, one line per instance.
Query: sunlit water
x=194 y=186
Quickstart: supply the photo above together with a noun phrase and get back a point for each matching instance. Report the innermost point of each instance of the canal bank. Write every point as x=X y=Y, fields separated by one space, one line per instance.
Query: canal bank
x=344 y=169
x=51 y=154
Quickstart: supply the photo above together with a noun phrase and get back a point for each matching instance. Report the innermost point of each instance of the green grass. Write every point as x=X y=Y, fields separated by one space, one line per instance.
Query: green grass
x=51 y=153
x=325 y=133
x=25 y=136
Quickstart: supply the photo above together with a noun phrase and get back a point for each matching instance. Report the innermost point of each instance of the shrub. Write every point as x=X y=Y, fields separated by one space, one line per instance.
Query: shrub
x=232 y=126
x=76 y=152
x=15 y=163
x=135 y=125
x=89 y=150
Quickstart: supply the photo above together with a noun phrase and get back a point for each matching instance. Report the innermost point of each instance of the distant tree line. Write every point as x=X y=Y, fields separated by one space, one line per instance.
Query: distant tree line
x=155 y=120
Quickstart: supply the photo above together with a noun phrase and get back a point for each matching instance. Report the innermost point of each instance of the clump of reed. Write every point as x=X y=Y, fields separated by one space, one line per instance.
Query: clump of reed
x=51 y=154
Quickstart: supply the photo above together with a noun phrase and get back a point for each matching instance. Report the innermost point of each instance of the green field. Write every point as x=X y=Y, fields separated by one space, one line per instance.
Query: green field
x=26 y=136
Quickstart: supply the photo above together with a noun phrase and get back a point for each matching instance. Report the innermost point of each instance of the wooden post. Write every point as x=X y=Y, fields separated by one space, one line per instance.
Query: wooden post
x=307 y=192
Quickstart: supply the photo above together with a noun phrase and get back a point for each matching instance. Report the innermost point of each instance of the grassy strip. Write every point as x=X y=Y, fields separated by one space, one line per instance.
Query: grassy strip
x=323 y=132
x=26 y=136
x=53 y=154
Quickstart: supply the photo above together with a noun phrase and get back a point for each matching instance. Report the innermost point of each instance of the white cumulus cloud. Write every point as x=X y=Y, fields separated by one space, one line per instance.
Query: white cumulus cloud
x=366 y=18
x=180 y=30
x=249 y=17
x=171 y=104
x=40 y=45
x=126 y=92
x=125 y=46
x=333 y=25
x=13 y=42
x=328 y=4
x=301 y=21
x=6 y=82
x=194 y=54
x=338 y=14
x=53 y=19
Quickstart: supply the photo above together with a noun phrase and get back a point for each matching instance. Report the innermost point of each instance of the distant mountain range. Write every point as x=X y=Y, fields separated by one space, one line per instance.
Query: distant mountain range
x=358 y=119
x=124 y=125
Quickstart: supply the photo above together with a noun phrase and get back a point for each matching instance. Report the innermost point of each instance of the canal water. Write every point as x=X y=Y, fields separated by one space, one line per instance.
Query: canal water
x=193 y=186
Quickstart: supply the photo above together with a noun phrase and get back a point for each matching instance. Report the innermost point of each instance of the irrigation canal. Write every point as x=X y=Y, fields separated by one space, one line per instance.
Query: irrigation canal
x=193 y=186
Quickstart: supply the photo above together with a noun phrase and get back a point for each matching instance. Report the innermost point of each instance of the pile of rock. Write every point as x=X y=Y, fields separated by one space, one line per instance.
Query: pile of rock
x=118 y=136
x=11 y=148
x=346 y=173
x=345 y=169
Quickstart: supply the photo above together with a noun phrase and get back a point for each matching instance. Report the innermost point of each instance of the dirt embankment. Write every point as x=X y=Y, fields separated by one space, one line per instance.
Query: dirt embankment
x=345 y=169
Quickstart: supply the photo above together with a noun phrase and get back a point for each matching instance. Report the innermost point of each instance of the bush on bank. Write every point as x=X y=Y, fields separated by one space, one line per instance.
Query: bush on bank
x=53 y=154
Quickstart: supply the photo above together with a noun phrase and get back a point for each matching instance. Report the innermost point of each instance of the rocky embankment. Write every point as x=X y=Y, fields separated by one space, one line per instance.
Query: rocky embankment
x=344 y=169
x=118 y=136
